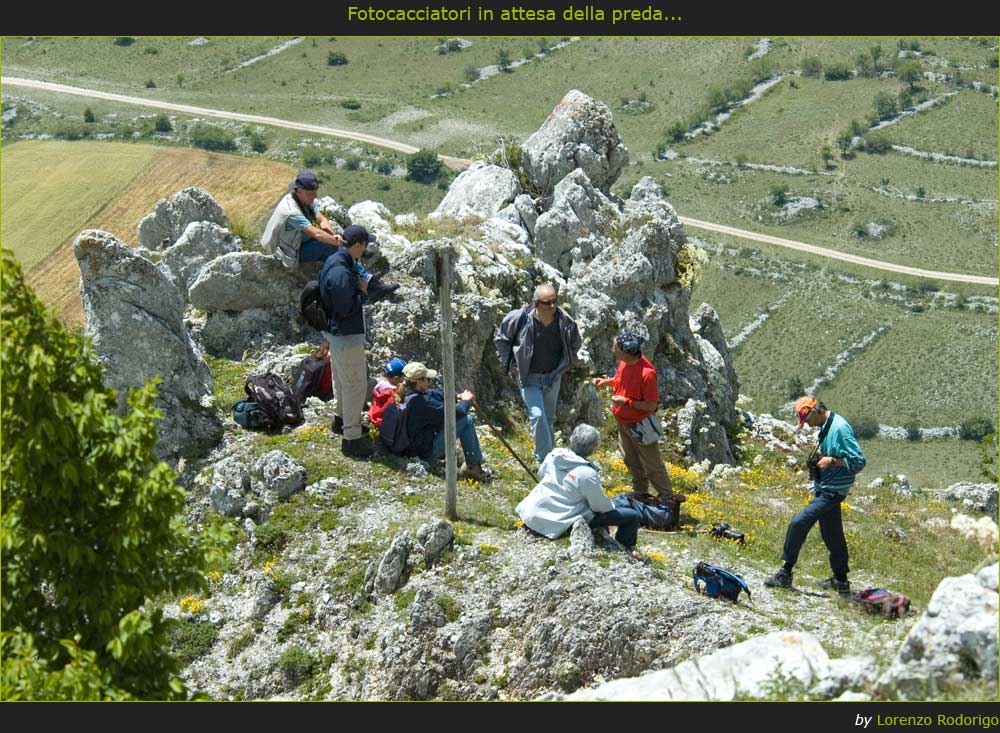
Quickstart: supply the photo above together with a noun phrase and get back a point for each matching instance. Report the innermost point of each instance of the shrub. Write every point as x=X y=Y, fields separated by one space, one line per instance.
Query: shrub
x=912 y=428
x=865 y=427
x=837 y=72
x=162 y=123
x=423 y=166
x=352 y=163
x=976 y=428
x=88 y=115
x=794 y=388
x=296 y=664
x=336 y=58
x=811 y=66
x=150 y=84
x=313 y=156
x=91 y=520
x=779 y=195
x=124 y=41
x=258 y=143
x=885 y=105
x=471 y=73
x=66 y=129
x=503 y=61
x=211 y=137
x=190 y=639
x=351 y=104
x=876 y=144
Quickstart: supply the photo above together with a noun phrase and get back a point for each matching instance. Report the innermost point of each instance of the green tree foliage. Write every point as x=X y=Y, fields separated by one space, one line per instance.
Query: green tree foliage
x=91 y=521
x=88 y=115
x=423 y=166
x=865 y=427
x=336 y=58
x=885 y=105
x=910 y=72
x=837 y=72
x=503 y=61
x=162 y=123
x=976 y=428
x=211 y=137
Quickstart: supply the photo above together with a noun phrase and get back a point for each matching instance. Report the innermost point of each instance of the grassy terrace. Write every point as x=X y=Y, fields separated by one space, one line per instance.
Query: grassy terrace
x=970 y=117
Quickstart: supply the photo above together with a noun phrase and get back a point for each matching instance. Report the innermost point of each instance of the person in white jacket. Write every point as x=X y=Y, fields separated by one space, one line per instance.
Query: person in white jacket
x=570 y=488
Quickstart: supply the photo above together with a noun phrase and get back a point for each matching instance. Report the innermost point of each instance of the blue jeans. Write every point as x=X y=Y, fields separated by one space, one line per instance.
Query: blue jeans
x=540 y=393
x=466 y=436
x=825 y=509
x=626 y=519
x=312 y=250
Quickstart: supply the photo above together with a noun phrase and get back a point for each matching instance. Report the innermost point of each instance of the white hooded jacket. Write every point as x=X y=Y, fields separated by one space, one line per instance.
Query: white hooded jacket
x=570 y=488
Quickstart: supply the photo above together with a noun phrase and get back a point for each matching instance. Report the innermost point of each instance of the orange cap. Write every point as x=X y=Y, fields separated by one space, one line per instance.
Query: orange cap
x=803 y=406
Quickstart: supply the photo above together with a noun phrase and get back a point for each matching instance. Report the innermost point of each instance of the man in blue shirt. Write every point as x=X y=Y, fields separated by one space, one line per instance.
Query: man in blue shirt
x=833 y=465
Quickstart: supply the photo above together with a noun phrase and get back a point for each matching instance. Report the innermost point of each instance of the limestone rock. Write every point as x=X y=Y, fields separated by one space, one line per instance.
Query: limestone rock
x=578 y=134
x=281 y=473
x=134 y=317
x=168 y=220
x=482 y=190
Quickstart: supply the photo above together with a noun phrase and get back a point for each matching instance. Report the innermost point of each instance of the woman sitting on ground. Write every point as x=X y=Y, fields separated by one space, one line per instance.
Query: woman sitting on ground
x=570 y=488
x=425 y=420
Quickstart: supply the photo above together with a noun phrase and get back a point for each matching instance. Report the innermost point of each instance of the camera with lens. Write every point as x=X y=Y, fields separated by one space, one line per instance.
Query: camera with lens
x=813 y=465
x=722 y=531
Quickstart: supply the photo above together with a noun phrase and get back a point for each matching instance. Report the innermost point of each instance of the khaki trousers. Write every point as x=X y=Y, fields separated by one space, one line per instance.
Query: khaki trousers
x=645 y=464
x=350 y=380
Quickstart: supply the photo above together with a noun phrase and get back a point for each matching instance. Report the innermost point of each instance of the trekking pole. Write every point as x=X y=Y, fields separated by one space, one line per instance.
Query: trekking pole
x=505 y=443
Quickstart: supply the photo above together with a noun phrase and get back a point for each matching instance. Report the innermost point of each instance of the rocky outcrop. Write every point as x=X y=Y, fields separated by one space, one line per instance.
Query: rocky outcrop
x=134 y=316
x=482 y=190
x=167 y=221
x=578 y=134
x=954 y=641
x=745 y=670
x=976 y=497
x=281 y=473
x=242 y=280
x=201 y=242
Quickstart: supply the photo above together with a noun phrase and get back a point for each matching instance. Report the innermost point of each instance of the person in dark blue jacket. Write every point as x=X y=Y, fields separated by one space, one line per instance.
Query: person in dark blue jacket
x=344 y=294
x=425 y=420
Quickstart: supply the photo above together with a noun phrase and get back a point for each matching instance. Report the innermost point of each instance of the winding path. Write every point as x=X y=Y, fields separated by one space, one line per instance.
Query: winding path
x=463 y=163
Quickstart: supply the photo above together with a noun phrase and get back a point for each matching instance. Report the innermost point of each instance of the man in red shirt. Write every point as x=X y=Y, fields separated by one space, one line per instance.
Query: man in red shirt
x=636 y=396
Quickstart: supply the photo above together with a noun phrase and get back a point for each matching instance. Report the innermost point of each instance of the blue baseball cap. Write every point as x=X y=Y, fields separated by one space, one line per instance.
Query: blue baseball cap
x=394 y=368
x=306 y=180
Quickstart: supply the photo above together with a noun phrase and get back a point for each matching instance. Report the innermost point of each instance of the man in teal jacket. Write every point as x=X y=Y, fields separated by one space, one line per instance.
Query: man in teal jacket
x=839 y=459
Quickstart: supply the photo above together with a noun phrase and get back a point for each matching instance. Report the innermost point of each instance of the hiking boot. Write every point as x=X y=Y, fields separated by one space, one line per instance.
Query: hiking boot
x=378 y=290
x=843 y=587
x=781 y=579
x=357 y=448
x=476 y=471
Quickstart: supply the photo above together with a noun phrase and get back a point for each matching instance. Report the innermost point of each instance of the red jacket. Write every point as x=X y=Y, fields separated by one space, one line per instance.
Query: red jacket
x=382 y=397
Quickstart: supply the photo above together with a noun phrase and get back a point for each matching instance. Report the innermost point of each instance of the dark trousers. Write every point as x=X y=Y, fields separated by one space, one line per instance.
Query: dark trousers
x=825 y=509
x=626 y=519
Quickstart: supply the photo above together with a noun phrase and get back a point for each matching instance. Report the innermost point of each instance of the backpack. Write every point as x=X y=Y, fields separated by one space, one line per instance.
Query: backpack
x=311 y=306
x=275 y=400
x=879 y=600
x=312 y=380
x=651 y=516
x=248 y=414
x=392 y=432
x=716 y=581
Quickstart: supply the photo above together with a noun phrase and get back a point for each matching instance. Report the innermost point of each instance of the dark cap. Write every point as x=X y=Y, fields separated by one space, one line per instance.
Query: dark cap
x=354 y=234
x=306 y=180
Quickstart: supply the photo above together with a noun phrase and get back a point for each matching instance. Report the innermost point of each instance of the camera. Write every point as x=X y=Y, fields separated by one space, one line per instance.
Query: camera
x=722 y=531
x=813 y=465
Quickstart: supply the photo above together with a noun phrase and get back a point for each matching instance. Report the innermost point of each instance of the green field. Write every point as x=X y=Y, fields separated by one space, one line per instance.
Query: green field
x=789 y=125
x=970 y=118
x=51 y=189
x=939 y=365
x=929 y=464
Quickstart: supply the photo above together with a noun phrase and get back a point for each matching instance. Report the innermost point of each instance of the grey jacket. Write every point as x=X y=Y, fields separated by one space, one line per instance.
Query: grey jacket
x=570 y=488
x=515 y=341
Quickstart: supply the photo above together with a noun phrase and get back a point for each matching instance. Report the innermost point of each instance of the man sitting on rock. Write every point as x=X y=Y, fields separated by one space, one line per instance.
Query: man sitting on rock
x=570 y=488
x=425 y=420
x=297 y=230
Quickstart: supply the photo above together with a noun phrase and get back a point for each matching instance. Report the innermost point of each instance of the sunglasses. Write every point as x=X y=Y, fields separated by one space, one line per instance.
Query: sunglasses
x=546 y=302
